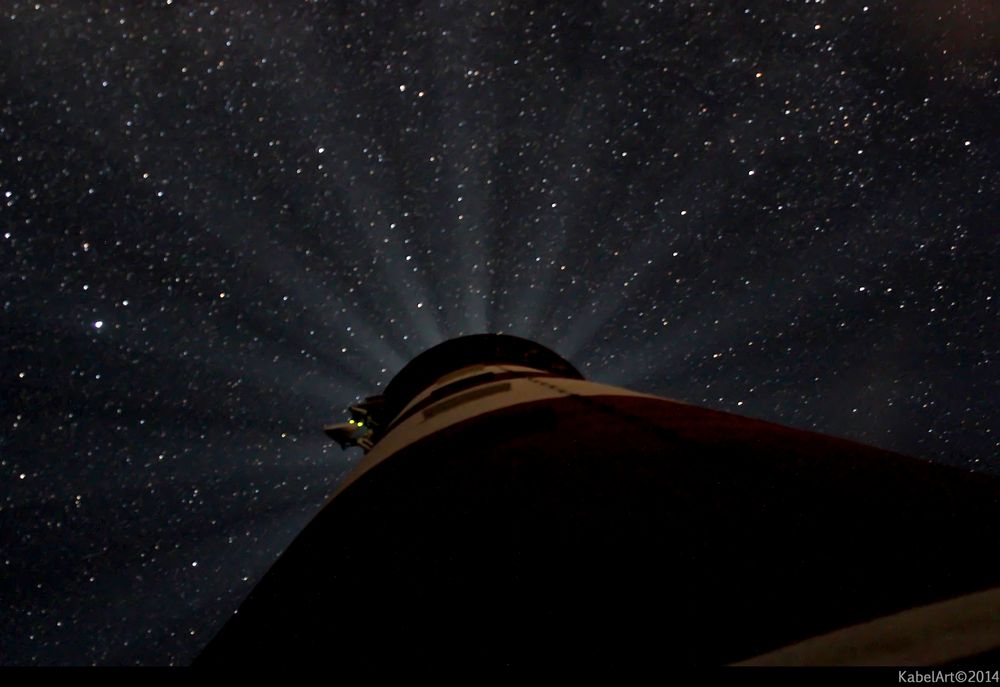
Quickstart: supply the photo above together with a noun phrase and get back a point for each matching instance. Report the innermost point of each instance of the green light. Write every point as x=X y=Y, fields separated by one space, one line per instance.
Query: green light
x=351 y=421
x=361 y=424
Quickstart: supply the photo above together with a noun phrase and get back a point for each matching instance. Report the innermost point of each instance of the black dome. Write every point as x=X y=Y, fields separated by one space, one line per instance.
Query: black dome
x=475 y=349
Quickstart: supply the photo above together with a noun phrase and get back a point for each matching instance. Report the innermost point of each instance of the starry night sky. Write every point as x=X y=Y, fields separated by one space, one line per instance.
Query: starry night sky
x=223 y=223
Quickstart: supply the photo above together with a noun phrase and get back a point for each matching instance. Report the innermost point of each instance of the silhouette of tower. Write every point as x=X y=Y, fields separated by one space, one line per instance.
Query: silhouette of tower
x=508 y=512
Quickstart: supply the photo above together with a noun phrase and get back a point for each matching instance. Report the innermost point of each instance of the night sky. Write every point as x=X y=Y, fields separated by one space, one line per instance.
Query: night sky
x=223 y=223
